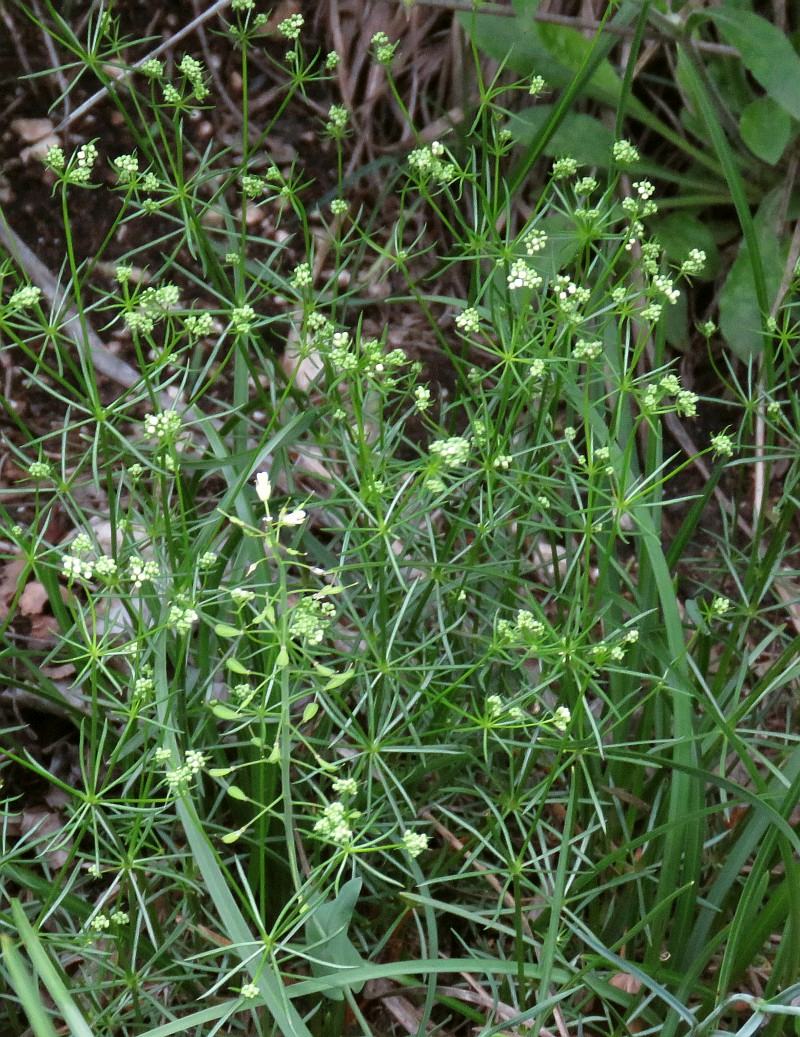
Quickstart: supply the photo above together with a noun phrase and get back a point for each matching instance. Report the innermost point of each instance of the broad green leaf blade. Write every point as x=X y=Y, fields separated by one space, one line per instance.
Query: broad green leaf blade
x=329 y=947
x=586 y=139
x=680 y=232
x=766 y=129
x=753 y=342
x=273 y=993
x=206 y=1015
x=26 y=989
x=740 y=314
x=557 y=52
x=78 y=1026
x=766 y=52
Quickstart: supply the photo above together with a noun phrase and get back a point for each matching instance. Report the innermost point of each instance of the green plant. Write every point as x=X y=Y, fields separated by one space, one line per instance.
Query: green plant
x=376 y=679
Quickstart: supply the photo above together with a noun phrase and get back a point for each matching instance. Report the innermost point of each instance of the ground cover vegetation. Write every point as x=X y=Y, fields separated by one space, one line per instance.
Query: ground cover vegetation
x=399 y=520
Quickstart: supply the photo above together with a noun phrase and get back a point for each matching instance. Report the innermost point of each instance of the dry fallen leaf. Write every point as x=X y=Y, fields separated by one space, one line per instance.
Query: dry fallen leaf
x=625 y=982
x=38 y=134
x=9 y=582
x=33 y=599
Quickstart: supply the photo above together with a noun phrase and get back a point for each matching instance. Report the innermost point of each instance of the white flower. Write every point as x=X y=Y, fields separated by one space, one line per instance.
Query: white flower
x=335 y=823
x=25 y=297
x=182 y=618
x=422 y=397
x=694 y=263
x=415 y=842
x=290 y=27
x=624 y=151
x=494 y=706
x=522 y=276
x=293 y=518
x=561 y=718
x=535 y=240
x=195 y=760
x=452 y=452
x=564 y=167
x=468 y=320
x=263 y=487
x=40 y=470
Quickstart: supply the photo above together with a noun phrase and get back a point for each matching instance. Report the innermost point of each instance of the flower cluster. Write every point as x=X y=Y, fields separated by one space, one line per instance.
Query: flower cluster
x=722 y=445
x=182 y=618
x=290 y=27
x=252 y=185
x=694 y=263
x=562 y=718
x=586 y=351
x=152 y=68
x=534 y=240
x=468 y=321
x=663 y=284
x=685 y=402
x=336 y=823
x=301 y=276
x=165 y=427
x=242 y=318
x=337 y=121
x=127 y=168
x=415 y=842
x=199 y=324
x=564 y=167
x=79 y=169
x=570 y=297
x=521 y=275
x=106 y=567
x=141 y=571
x=366 y=357
x=526 y=630
x=179 y=778
x=384 y=49
x=427 y=163
x=311 y=618
x=624 y=152
x=75 y=567
x=452 y=452
x=194 y=72
x=613 y=651
x=24 y=298
x=150 y=306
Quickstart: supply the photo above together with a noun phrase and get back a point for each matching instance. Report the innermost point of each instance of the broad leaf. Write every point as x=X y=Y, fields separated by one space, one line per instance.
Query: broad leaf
x=329 y=947
x=586 y=139
x=680 y=232
x=766 y=52
x=766 y=129
x=739 y=312
x=554 y=51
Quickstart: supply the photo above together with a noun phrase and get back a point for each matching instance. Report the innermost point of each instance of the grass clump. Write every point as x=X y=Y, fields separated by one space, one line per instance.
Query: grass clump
x=373 y=676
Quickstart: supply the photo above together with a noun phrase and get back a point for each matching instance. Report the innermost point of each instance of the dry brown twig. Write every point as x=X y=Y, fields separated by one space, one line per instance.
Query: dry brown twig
x=570 y=22
x=102 y=358
x=125 y=74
